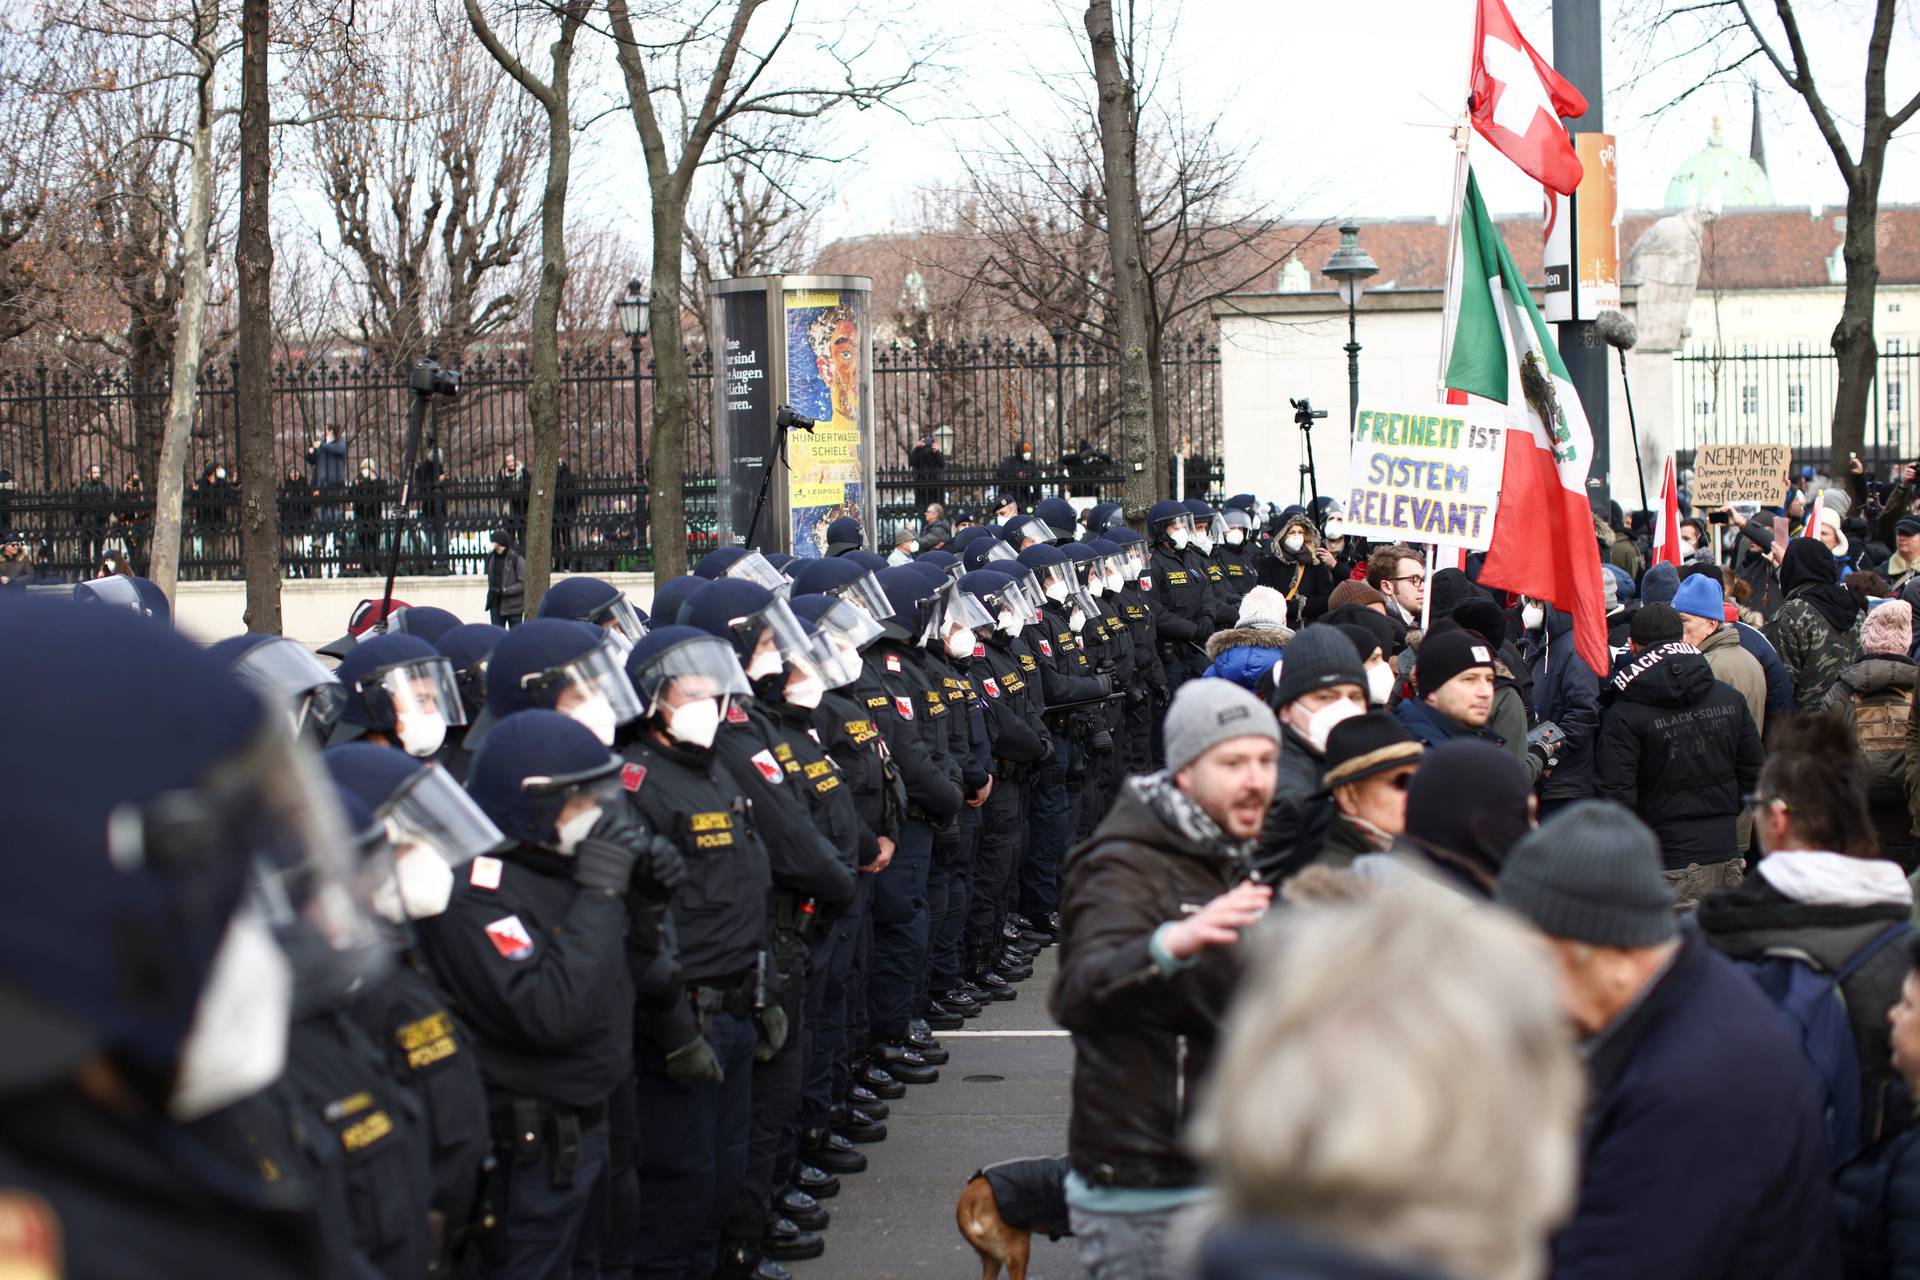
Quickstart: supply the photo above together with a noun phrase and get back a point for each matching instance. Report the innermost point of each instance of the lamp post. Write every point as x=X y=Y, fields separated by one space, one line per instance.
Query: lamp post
x=1350 y=266
x=632 y=312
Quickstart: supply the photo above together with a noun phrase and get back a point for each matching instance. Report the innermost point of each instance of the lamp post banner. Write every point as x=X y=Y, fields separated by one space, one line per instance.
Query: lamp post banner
x=1426 y=473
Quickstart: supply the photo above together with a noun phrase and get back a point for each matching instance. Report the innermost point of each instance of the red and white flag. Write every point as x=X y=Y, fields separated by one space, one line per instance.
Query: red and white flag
x=1666 y=521
x=1501 y=354
x=1517 y=99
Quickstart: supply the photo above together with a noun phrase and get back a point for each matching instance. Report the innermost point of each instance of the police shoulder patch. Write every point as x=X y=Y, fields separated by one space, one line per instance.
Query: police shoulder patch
x=632 y=775
x=991 y=686
x=768 y=767
x=1146 y=582
x=893 y=663
x=510 y=938
x=876 y=702
x=1046 y=648
x=905 y=707
x=485 y=873
x=736 y=714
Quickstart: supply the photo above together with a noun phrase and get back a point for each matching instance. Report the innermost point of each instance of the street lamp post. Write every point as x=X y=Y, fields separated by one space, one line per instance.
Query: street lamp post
x=1350 y=266
x=632 y=312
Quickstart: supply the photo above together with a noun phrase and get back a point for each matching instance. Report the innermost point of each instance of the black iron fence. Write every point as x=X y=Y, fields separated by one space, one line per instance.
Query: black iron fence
x=338 y=433
x=1784 y=395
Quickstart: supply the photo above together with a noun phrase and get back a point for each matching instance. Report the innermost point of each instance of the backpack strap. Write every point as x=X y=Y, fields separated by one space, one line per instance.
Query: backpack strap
x=1867 y=952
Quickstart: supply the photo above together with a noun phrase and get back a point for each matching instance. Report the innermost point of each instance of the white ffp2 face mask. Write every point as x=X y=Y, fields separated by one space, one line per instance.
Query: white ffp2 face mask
x=597 y=714
x=237 y=1045
x=1531 y=616
x=695 y=723
x=805 y=691
x=1115 y=583
x=1203 y=544
x=763 y=664
x=419 y=889
x=1380 y=684
x=422 y=733
x=1009 y=623
x=1095 y=586
x=1294 y=541
x=1076 y=620
x=567 y=835
x=1236 y=536
x=958 y=643
x=1179 y=538
x=1320 y=724
x=1056 y=590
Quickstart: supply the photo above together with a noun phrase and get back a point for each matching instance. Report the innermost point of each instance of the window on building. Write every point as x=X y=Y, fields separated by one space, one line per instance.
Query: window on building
x=1893 y=396
x=1749 y=400
x=1796 y=397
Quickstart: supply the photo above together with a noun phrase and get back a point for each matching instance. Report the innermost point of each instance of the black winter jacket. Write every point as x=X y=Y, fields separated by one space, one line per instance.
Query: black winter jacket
x=1297 y=820
x=1142 y=1041
x=1566 y=691
x=1877 y=1199
x=1680 y=749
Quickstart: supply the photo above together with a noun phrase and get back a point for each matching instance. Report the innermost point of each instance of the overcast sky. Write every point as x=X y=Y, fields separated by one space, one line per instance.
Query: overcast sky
x=1342 y=106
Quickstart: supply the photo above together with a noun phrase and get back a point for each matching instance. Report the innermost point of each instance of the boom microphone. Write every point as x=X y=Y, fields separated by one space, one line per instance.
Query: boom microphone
x=1617 y=330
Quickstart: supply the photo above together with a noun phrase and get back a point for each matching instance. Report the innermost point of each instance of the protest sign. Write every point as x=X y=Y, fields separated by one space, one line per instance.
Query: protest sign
x=1426 y=473
x=1726 y=473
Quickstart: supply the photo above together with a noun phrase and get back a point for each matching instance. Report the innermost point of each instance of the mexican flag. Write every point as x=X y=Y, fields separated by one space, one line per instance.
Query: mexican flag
x=1500 y=352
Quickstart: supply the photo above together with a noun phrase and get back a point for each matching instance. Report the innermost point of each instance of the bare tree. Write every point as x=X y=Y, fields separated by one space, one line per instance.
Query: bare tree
x=30 y=119
x=555 y=96
x=1127 y=250
x=253 y=373
x=711 y=85
x=752 y=217
x=1733 y=35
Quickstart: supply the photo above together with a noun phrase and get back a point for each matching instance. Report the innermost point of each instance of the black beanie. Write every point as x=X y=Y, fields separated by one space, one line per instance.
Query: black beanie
x=1591 y=874
x=1319 y=656
x=1481 y=832
x=1448 y=588
x=1484 y=616
x=1654 y=624
x=1445 y=654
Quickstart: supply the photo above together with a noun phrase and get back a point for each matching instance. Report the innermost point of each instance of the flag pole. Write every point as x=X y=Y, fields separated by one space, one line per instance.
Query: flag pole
x=1450 y=305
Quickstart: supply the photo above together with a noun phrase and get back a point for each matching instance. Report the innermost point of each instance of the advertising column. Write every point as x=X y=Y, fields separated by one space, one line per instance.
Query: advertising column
x=745 y=418
x=828 y=380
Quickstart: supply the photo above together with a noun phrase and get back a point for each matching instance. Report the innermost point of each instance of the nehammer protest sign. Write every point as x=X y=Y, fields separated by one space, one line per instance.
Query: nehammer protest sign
x=1426 y=473
x=1726 y=473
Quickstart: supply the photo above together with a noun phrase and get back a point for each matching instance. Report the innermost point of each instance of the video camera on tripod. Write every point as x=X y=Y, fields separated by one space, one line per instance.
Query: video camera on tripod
x=786 y=418
x=1304 y=415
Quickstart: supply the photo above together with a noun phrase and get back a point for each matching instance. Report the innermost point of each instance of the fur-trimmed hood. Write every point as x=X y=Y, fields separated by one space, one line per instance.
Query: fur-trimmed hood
x=1248 y=638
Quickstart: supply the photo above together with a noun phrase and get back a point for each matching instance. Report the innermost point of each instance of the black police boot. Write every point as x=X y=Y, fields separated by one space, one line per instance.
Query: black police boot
x=788 y=1243
x=1053 y=923
x=827 y=1150
x=1019 y=921
x=737 y=1261
x=857 y=1126
x=880 y=1080
x=903 y=1064
x=771 y=1270
x=864 y=1099
x=801 y=1209
x=941 y=1018
x=1015 y=939
x=996 y=987
x=816 y=1182
x=960 y=1000
x=929 y=1050
x=1012 y=968
x=977 y=993
x=1045 y=937
x=917 y=1029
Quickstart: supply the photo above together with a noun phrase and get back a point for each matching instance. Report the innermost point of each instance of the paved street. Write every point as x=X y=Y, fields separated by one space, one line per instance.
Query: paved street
x=1003 y=1095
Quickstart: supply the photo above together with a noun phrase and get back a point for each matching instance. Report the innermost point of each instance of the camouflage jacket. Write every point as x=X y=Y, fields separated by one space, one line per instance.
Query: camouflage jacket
x=1815 y=653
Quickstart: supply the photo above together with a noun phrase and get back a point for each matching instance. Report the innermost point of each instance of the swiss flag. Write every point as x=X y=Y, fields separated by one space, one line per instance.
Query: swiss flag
x=1666 y=527
x=1517 y=99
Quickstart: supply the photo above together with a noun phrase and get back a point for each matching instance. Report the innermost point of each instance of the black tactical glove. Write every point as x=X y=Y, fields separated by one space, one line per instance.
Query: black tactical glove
x=1106 y=685
x=659 y=870
x=693 y=1064
x=773 y=1032
x=603 y=864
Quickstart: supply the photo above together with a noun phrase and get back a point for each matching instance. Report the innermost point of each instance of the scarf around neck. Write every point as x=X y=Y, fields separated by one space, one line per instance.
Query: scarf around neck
x=1175 y=808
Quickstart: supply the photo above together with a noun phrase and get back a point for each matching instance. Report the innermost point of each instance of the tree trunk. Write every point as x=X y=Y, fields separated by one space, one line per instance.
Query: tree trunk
x=170 y=482
x=672 y=395
x=1856 y=354
x=1160 y=466
x=259 y=514
x=1126 y=247
x=543 y=397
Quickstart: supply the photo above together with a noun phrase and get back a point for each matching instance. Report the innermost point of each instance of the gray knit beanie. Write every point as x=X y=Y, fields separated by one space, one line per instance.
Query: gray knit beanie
x=1207 y=712
x=1591 y=874
x=1318 y=657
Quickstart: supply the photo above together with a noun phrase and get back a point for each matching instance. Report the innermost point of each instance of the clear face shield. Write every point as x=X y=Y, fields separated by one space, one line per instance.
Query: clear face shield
x=1024 y=529
x=690 y=686
x=999 y=553
x=1235 y=527
x=839 y=635
x=757 y=569
x=1025 y=589
x=425 y=698
x=621 y=621
x=865 y=593
x=1135 y=560
x=1112 y=571
x=1180 y=531
x=432 y=812
x=593 y=688
x=957 y=615
x=1057 y=581
x=290 y=678
x=778 y=641
x=1207 y=532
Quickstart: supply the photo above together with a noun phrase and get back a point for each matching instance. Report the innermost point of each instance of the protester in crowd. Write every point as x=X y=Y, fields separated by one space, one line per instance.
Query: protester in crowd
x=1680 y=749
x=1320 y=684
x=1453 y=688
x=1019 y=475
x=1245 y=651
x=929 y=467
x=1874 y=699
x=1877 y=1194
x=1370 y=760
x=1400 y=574
x=1695 y=1087
x=1296 y=565
x=1372 y=644
x=1817 y=629
x=1474 y=1160
x=1615 y=546
x=1566 y=691
x=1822 y=898
x=1463 y=847
x=1139 y=965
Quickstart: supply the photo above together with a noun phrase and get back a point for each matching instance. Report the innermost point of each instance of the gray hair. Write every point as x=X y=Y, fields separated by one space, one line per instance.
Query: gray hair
x=1399 y=1075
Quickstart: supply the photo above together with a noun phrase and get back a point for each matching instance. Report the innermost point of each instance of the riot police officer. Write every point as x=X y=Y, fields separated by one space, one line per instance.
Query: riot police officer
x=599 y=602
x=556 y=664
x=1235 y=553
x=99 y=1172
x=1183 y=594
x=468 y=648
x=1147 y=692
x=531 y=951
x=399 y=693
x=287 y=675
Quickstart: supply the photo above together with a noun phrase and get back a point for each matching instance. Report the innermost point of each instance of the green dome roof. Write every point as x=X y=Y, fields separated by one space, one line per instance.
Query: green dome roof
x=1717 y=175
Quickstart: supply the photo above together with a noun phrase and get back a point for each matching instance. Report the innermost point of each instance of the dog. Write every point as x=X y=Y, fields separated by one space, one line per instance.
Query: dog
x=1004 y=1204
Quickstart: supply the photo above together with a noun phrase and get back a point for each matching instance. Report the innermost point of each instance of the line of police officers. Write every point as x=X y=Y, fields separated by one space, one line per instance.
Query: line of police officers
x=589 y=948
